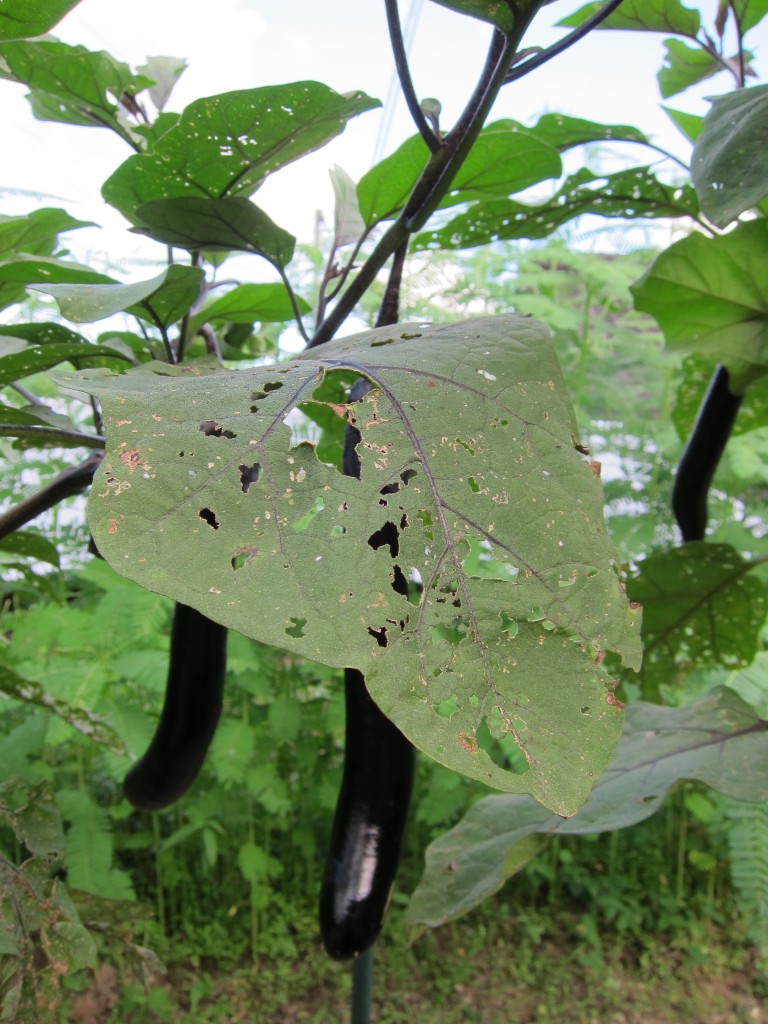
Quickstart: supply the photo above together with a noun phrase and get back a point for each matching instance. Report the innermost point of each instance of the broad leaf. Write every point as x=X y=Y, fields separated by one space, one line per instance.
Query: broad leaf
x=703 y=606
x=710 y=296
x=19 y=19
x=633 y=193
x=501 y=15
x=226 y=145
x=750 y=12
x=689 y=124
x=564 y=132
x=470 y=483
x=29 y=544
x=642 y=15
x=36 y=358
x=718 y=740
x=24 y=269
x=37 y=232
x=41 y=334
x=248 y=303
x=70 y=83
x=163 y=299
x=233 y=223
x=685 y=65
x=505 y=158
x=728 y=168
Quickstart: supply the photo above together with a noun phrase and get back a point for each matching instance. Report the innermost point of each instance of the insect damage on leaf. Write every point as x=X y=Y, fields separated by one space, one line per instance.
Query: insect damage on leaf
x=468 y=564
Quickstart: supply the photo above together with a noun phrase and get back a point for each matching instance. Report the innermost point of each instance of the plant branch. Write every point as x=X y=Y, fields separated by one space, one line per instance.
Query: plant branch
x=404 y=74
x=65 y=485
x=562 y=44
x=389 y=311
x=30 y=397
x=294 y=302
x=41 y=432
x=740 y=37
x=433 y=182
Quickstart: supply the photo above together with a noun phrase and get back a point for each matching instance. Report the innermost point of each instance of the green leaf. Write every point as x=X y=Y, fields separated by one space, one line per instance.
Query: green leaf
x=719 y=741
x=348 y=226
x=226 y=145
x=233 y=223
x=564 y=132
x=21 y=20
x=710 y=296
x=502 y=15
x=470 y=480
x=632 y=193
x=37 y=358
x=505 y=158
x=641 y=15
x=163 y=299
x=36 y=232
x=247 y=303
x=70 y=83
x=685 y=65
x=24 y=269
x=689 y=124
x=728 y=168
x=750 y=12
x=701 y=608
x=42 y=334
x=29 y=810
x=31 y=545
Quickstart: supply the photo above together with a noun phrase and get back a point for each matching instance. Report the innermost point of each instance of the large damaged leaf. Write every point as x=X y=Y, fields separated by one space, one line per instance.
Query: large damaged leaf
x=719 y=740
x=467 y=573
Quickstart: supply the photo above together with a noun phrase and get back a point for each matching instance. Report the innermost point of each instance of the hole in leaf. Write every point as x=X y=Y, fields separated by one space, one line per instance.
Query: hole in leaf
x=386 y=536
x=242 y=557
x=249 y=475
x=301 y=524
x=426 y=522
x=208 y=516
x=338 y=531
x=213 y=429
x=474 y=486
x=464 y=444
x=481 y=564
x=447 y=708
x=509 y=626
x=380 y=635
x=400 y=583
x=453 y=633
x=407 y=475
x=296 y=629
x=503 y=751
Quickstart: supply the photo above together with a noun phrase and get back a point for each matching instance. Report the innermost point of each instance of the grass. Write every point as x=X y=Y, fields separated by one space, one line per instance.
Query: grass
x=490 y=968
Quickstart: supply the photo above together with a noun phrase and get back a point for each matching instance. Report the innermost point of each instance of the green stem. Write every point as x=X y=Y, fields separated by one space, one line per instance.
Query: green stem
x=362 y=988
x=159 y=898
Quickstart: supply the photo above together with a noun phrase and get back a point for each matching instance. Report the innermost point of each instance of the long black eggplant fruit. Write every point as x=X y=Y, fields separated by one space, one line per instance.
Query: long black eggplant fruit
x=705 y=446
x=368 y=825
x=372 y=808
x=191 y=709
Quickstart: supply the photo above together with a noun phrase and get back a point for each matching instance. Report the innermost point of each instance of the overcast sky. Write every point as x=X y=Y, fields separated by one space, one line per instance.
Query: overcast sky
x=608 y=77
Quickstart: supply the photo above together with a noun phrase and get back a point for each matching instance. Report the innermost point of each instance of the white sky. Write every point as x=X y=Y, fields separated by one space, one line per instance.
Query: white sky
x=608 y=77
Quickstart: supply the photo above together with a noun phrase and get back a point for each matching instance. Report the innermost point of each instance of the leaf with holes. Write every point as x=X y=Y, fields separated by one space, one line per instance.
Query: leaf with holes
x=703 y=606
x=467 y=573
x=632 y=193
x=719 y=740
x=226 y=145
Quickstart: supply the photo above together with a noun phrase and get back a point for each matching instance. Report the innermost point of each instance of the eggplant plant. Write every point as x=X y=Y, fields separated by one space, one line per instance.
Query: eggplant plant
x=441 y=537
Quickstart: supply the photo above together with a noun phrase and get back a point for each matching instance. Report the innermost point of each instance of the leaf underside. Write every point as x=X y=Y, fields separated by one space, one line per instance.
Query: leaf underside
x=467 y=574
